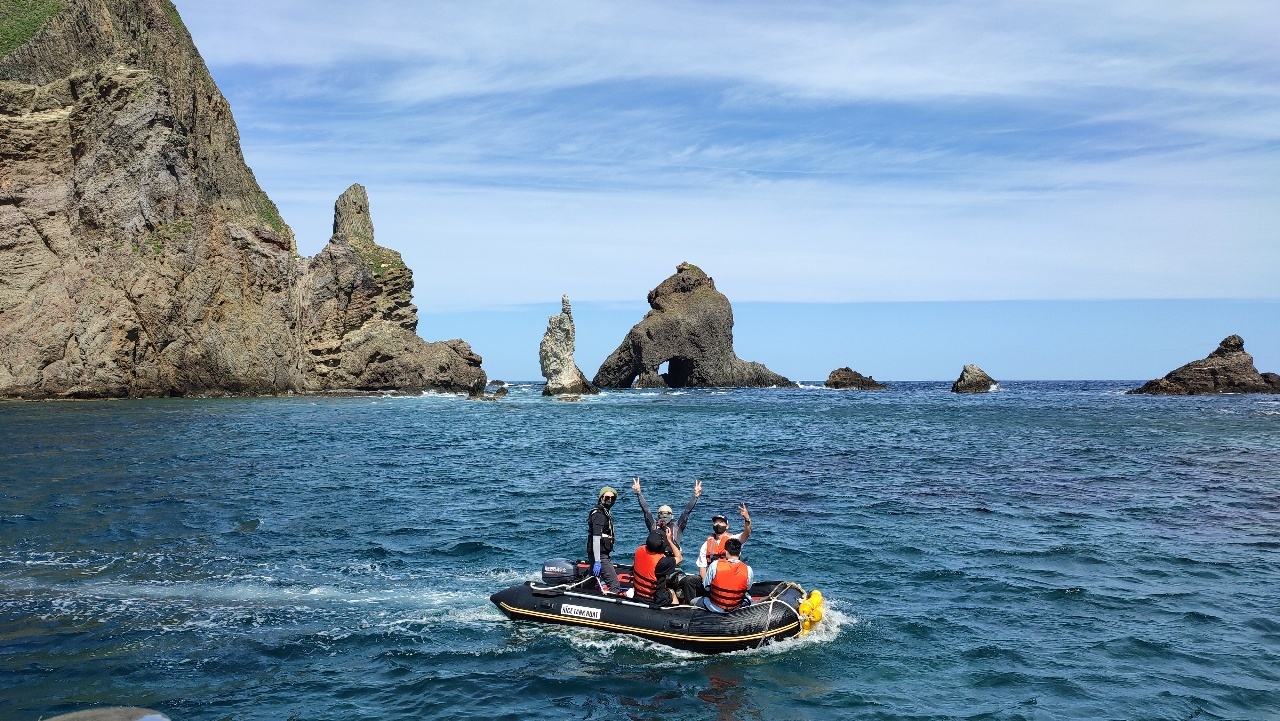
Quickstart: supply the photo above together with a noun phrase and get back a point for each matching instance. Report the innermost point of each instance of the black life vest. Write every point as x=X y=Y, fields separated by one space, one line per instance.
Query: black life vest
x=606 y=538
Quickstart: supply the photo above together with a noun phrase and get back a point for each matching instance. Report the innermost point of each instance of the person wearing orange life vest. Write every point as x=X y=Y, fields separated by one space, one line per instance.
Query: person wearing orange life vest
x=714 y=547
x=728 y=581
x=647 y=571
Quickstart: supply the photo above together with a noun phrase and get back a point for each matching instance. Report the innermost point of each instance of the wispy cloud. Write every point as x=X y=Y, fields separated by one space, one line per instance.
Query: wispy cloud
x=815 y=151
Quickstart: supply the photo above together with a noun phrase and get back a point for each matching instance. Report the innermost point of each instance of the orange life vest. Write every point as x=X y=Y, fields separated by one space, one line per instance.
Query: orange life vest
x=644 y=576
x=715 y=549
x=729 y=587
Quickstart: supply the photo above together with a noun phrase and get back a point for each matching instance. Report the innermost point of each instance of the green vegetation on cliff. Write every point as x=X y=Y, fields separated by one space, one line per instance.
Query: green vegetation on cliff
x=20 y=19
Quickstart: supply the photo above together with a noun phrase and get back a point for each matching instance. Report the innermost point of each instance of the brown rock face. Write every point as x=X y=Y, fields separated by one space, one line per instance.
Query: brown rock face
x=849 y=379
x=1228 y=369
x=138 y=255
x=357 y=320
x=973 y=380
x=691 y=329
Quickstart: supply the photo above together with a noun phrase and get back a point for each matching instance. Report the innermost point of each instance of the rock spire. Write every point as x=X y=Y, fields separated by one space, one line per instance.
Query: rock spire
x=555 y=355
x=690 y=328
x=1228 y=369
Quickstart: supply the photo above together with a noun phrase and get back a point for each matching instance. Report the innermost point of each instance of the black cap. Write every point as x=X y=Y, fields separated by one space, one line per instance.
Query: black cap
x=656 y=541
x=665 y=567
x=713 y=518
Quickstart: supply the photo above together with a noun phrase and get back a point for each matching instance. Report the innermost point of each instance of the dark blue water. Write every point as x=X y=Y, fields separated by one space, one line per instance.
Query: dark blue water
x=1050 y=551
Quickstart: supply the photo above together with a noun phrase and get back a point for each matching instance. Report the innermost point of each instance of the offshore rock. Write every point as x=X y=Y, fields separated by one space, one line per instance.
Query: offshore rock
x=139 y=256
x=690 y=327
x=849 y=379
x=1228 y=369
x=358 y=322
x=555 y=355
x=973 y=380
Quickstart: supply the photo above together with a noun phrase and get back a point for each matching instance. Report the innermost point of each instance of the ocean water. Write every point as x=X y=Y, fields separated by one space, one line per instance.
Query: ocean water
x=1047 y=551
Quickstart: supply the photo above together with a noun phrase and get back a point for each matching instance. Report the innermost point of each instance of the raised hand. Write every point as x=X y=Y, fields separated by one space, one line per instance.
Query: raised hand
x=635 y=485
x=697 y=488
x=742 y=511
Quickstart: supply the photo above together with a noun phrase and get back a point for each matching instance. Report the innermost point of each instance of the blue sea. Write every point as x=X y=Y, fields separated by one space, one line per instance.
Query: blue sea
x=1052 y=550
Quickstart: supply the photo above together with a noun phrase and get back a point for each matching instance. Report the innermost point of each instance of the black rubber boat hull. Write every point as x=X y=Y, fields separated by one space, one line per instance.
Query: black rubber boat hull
x=683 y=627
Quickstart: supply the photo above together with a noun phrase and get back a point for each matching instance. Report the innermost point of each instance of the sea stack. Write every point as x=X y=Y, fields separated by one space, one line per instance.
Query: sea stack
x=973 y=380
x=138 y=254
x=690 y=328
x=555 y=355
x=1228 y=369
x=358 y=321
x=849 y=379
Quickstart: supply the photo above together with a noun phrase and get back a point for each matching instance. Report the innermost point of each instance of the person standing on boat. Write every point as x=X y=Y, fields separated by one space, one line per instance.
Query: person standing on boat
x=600 y=540
x=648 y=574
x=728 y=581
x=665 y=515
x=714 y=548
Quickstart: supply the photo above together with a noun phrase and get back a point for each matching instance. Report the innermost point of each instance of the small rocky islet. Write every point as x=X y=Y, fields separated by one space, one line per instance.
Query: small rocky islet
x=690 y=329
x=973 y=380
x=1228 y=369
x=848 y=379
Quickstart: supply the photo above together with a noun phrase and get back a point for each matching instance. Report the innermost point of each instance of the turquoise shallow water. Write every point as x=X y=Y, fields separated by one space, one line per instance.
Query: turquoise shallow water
x=1049 y=551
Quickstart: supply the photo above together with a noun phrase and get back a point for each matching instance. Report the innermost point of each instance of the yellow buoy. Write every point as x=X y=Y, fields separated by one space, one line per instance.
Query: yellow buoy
x=806 y=625
x=815 y=598
x=816 y=615
x=805 y=608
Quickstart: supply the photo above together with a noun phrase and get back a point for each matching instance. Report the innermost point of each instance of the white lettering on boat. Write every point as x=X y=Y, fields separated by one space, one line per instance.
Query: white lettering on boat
x=580 y=611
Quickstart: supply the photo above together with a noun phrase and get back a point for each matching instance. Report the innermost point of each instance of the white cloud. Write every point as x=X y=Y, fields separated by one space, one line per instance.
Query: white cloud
x=802 y=151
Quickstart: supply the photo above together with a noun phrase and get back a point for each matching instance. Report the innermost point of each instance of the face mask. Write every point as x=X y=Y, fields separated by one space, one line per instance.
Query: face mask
x=664 y=519
x=719 y=528
x=608 y=501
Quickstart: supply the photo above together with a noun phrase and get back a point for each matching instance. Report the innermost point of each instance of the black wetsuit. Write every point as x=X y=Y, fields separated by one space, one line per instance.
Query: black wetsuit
x=600 y=523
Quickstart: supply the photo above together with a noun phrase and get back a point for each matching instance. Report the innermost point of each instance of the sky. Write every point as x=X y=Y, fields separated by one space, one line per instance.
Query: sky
x=843 y=160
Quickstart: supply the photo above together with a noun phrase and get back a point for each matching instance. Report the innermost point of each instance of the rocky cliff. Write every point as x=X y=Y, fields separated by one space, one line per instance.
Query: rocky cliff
x=139 y=256
x=973 y=380
x=555 y=355
x=690 y=328
x=1228 y=369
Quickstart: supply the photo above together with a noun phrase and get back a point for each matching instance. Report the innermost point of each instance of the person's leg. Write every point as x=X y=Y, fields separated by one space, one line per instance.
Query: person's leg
x=690 y=588
x=609 y=576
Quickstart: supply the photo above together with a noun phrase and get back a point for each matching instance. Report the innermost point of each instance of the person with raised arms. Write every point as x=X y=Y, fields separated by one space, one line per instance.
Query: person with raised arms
x=665 y=514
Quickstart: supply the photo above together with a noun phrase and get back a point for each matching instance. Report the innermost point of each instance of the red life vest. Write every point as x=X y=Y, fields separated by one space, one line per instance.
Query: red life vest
x=644 y=576
x=715 y=549
x=729 y=587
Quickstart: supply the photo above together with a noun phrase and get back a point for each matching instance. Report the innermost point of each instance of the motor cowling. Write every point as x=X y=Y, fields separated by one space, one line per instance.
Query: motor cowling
x=558 y=571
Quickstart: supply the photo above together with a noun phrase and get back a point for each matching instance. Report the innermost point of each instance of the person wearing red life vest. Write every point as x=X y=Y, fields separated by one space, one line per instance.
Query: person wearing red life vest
x=728 y=581
x=648 y=574
x=714 y=547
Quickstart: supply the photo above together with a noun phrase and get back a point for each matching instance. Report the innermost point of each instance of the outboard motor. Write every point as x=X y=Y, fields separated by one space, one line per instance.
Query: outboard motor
x=560 y=571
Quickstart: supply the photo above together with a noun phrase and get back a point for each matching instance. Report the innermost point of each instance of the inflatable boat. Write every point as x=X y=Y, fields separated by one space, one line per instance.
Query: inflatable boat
x=570 y=595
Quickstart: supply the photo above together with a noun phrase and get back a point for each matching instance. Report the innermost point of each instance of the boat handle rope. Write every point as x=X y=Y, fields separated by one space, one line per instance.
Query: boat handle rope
x=768 y=623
